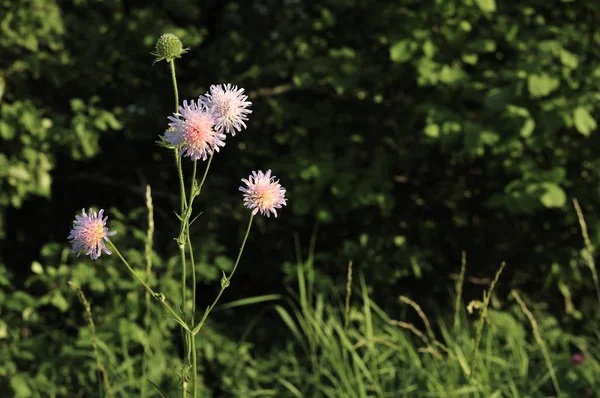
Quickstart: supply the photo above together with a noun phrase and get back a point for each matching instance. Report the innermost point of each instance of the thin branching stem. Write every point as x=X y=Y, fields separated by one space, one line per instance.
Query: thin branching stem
x=225 y=281
x=159 y=296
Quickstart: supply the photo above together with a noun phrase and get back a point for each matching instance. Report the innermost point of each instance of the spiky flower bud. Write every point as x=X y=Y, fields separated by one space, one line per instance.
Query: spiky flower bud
x=168 y=47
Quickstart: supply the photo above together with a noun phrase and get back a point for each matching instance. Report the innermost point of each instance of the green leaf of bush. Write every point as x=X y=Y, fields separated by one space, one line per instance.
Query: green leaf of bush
x=584 y=122
x=401 y=51
x=542 y=85
x=486 y=5
x=554 y=196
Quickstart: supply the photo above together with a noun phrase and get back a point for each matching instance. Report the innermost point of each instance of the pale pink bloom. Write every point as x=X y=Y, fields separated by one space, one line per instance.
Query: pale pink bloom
x=229 y=105
x=192 y=130
x=263 y=194
x=89 y=233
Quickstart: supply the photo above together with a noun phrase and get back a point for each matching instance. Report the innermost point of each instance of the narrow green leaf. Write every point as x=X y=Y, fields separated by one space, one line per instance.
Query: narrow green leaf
x=250 y=300
x=290 y=387
x=160 y=390
x=287 y=319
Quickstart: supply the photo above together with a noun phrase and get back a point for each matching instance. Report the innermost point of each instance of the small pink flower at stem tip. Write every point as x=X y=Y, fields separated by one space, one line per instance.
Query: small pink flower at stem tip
x=89 y=233
x=229 y=105
x=192 y=131
x=263 y=193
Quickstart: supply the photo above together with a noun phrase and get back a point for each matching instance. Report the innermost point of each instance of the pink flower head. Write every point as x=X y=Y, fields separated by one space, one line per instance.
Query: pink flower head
x=229 y=105
x=88 y=234
x=577 y=358
x=192 y=129
x=263 y=193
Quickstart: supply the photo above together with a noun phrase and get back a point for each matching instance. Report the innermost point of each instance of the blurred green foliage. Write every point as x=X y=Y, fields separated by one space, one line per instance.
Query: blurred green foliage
x=405 y=132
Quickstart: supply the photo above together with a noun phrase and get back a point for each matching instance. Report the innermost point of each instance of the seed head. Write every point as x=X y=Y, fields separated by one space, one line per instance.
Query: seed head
x=168 y=47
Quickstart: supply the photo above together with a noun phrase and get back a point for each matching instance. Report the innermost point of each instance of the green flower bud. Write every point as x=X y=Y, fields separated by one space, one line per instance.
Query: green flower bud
x=168 y=47
x=224 y=281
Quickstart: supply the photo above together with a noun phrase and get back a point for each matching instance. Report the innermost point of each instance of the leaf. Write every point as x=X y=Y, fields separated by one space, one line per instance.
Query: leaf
x=18 y=173
x=3 y=330
x=569 y=59
x=584 y=122
x=160 y=390
x=291 y=388
x=399 y=240
x=37 y=268
x=59 y=301
x=250 y=300
x=432 y=130
x=450 y=75
x=489 y=137
x=287 y=319
x=498 y=98
x=542 y=85
x=486 y=5
x=528 y=128
x=19 y=385
x=401 y=51
x=554 y=196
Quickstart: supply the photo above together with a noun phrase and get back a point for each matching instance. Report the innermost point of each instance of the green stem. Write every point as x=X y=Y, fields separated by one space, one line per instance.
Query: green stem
x=186 y=216
x=225 y=281
x=184 y=233
x=191 y=336
x=172 y=65
x=193 y=179
x=183 y=207
x=189 y=243
x=159 y=296
x=194 y=367
x=183 y=200
x=183 y=274
x=205 y=173
x=193 y=266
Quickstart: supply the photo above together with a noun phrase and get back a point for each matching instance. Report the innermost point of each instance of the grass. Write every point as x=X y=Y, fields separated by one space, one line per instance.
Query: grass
x=358 y=351
x=332 y=346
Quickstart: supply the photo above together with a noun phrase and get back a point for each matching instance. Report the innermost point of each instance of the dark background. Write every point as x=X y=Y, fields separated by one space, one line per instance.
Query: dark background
x=405 y=132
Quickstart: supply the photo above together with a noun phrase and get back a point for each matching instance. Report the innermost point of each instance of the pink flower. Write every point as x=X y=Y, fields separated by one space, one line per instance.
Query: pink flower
x=229 y=105
x=192 y=129
x=577 y=358
x=88 y=234
x=263 y=193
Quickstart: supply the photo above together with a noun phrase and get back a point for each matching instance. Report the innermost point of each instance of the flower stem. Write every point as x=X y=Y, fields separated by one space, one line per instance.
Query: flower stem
x=184 y=208
x=183 y=274
x=188 y=212
x=194 y=366
x=193 y=266
x=189 y=243
x=205 y=173
x=225 y=281
x=172 y=65
x=159 y=296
